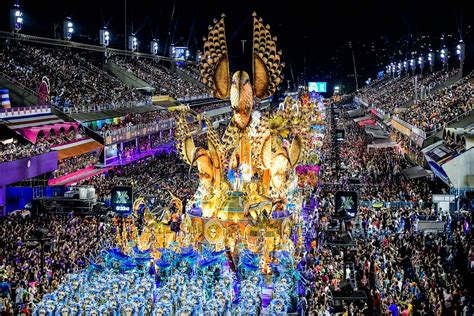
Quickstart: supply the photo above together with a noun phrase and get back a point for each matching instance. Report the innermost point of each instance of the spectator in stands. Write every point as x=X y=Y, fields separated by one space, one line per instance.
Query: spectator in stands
x=11 y=150
x=442 y=107
x=164 y=80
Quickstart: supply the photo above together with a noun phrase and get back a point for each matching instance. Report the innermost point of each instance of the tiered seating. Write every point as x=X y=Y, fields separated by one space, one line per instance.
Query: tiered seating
x=442 y=107
x=74 y=81
x=389 y=94
x=165 y=81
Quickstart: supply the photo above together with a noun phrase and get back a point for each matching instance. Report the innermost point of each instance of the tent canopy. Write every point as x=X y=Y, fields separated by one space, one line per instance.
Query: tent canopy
x=416 y=172
x=356 y=113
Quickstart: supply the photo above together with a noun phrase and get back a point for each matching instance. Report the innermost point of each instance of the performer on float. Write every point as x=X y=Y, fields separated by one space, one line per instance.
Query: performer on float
x=235 y=176
x=295 y=107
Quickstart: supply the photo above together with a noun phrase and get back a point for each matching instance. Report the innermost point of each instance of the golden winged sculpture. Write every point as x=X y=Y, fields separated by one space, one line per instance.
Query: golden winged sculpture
x=256 y=147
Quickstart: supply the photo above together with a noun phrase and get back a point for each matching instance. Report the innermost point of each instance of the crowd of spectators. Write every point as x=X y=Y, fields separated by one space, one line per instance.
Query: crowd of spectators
x=72 y=164
x=389 y=94
x=163 y=79
x=144 y=144
x=62 y=138
x=155 y=177
x=131 y=120
x=74 y=82
x=409 y=148
x=192 y=71
x=443 y=106
x=211 y=106
x=73 y=241
x=401 y=270
x=11 y=150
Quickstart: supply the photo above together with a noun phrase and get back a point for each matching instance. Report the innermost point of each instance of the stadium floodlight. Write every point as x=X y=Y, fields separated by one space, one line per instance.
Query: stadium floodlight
x=104 y=37
x=405 y=65
x=133 y=43
x=16 y=18
x=68 y=29
x=172 y=51
x=431 y=60
x=413 y=65
x=154 y=47
x=421 y=63
x=460 y=50
x=443 y=54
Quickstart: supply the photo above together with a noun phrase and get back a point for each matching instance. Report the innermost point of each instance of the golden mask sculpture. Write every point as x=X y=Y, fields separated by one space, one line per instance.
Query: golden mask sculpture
x=255 y=148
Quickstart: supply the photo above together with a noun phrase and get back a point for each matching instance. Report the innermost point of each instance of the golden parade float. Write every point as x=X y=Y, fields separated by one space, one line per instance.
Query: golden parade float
x=247 y=195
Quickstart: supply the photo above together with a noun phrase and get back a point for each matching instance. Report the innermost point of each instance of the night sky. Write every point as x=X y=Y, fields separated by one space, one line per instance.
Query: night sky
x=313 y=35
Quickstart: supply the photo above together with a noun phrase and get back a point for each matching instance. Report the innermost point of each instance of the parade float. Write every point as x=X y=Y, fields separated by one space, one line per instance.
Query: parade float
x=233 y=248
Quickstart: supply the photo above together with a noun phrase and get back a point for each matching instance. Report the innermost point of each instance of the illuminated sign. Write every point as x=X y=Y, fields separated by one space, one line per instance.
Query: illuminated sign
x=122 y=200
x=320 y=87
x=346 y=203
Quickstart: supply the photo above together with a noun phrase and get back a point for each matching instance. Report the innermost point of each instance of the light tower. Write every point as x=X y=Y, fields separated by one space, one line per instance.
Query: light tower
x=68 y=29
x=421 y=63
x=133 y=43
x=16 y=18
x=443 y=54
x=431 y=61
x=460 y=52
x=154 y=47
x=104 y=37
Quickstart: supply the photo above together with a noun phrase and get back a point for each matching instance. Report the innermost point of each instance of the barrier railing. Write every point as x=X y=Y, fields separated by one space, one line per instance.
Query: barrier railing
x=415 y=130
x=131 y=132
x=199 y=97
x=102 y=107
x=394 y=204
